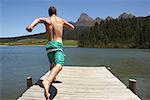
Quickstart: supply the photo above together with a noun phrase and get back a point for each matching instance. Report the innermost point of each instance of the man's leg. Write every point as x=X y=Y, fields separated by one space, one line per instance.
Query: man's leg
x=46 y=83
x=54 y=72
x=51 y=67
x=58 y=60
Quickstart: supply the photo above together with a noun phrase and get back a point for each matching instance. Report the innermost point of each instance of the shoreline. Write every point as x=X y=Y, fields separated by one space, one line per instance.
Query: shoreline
x=71 y=46
x=35 y=45
x=38 y=42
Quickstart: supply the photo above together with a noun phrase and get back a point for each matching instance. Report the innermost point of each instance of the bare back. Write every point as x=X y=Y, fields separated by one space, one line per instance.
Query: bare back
x=54 y=28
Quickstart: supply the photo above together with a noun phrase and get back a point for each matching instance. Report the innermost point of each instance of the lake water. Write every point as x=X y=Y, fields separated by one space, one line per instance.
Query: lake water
x=16 y=63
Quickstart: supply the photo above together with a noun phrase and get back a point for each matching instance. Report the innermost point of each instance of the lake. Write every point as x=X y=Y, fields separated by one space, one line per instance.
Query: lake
x=16 y=63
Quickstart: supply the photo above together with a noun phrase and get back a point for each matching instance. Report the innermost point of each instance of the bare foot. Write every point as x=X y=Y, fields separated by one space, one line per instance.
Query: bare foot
x=46 y=85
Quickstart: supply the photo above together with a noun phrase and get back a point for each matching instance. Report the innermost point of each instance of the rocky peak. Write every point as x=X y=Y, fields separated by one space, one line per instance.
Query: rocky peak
x=84 y=15
x=109 y=18
x=125 y=16
x=84 y=19
x=98 y=20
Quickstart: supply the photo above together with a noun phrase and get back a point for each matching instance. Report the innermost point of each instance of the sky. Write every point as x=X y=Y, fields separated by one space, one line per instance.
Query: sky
x=16 y=15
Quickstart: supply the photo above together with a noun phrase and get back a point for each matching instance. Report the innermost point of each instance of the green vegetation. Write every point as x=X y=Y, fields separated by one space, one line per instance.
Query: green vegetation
x=70 y=43
x=31 y=42
x=123 y=33
x=26 y=42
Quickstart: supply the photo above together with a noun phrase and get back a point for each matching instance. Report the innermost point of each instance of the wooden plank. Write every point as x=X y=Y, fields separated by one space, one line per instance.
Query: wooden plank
x=83 y=83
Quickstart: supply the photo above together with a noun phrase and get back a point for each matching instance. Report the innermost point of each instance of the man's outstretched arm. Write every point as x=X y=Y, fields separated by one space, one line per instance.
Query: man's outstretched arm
x=34 y=23
x=68 y=25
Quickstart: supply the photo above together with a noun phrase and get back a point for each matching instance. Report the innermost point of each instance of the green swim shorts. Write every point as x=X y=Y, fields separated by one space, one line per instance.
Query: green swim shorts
x=55 y=52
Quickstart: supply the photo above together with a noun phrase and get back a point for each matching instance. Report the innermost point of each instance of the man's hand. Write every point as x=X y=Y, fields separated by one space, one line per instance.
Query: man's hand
x=29 y=29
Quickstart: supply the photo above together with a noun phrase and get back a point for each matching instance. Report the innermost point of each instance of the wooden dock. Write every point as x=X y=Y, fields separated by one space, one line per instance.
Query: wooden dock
x=82 y=83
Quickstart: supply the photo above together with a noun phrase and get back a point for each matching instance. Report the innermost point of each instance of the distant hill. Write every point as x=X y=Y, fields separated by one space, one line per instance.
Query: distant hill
x=35 y=36
x=98 y=20
x=109 y=18
x=84 y=20
x=126 y=16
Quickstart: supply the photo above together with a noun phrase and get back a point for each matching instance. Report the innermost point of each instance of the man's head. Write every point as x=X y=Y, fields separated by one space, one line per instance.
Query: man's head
x=52 y=10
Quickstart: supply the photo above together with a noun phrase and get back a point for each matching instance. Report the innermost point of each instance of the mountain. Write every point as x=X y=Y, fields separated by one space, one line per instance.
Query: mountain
x=84 y=20
x=98 y=20
x=109 y=18
x=125 y=16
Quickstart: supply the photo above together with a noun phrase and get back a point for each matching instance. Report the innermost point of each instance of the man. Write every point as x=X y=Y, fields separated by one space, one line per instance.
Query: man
x=54 y=30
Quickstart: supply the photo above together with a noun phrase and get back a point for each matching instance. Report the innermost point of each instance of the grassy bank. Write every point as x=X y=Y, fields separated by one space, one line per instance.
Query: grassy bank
x=37 y=42
x=70 y=43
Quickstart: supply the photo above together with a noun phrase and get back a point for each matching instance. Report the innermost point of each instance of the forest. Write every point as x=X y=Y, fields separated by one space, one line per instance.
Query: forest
x=117 y=33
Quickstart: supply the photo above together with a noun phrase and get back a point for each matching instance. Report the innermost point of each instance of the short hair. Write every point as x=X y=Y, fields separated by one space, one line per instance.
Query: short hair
x=52 y=10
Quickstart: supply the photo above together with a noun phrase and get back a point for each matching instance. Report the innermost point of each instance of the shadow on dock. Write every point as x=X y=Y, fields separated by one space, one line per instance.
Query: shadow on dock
x=52 y=89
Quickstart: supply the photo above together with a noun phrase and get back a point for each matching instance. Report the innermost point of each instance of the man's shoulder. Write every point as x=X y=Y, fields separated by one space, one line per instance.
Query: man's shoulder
x=61 y=19
x=43 y=18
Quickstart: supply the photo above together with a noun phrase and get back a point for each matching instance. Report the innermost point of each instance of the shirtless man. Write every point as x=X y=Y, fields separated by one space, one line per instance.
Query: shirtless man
x=54 y=30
